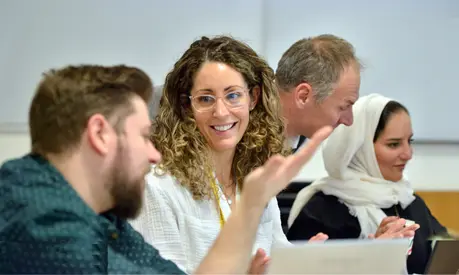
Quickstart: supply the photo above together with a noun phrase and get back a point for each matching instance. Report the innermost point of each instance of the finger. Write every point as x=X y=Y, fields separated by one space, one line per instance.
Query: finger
x=266 y=260
x=371 y=236
x=259 y=255
x=394 y=227
x=410 y=231
x=258 y=261
x=262 y=269
x=257 y=174
x=406 y=232
x=319 y=237
x=386 y=225
x=378 y=232
x=312 y=239
x=388 y=220
x=412 y=227
x=272 y=165
x=391 y=236
x=261 y=252
x=295 y=162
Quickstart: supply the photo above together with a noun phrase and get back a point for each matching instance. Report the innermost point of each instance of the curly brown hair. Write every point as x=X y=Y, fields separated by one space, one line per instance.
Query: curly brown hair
x=175 y=132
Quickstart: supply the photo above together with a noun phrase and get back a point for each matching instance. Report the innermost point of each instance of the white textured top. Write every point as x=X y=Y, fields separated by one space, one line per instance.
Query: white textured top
x=183 y=229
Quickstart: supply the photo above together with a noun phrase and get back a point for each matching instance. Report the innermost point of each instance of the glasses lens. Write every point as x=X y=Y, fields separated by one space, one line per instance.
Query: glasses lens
x=236 y=98
x=202 y=102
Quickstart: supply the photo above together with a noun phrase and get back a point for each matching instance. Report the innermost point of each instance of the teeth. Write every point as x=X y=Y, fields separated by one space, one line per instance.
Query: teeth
x=223 y=128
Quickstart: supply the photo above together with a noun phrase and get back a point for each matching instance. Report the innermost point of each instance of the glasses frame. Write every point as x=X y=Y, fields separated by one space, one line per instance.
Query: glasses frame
x=246 y=91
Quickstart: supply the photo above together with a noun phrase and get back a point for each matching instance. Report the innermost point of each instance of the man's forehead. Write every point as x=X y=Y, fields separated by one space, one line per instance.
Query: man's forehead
x=349 y=83
x=345 y=95
x=348 y=93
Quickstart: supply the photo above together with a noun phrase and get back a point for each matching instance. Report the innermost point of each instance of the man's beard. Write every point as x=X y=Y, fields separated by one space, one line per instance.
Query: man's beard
x=127 y=192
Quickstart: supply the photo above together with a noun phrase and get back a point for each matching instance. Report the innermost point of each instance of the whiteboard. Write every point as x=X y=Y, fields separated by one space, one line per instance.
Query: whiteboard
x=410 y=49
x=151 y=34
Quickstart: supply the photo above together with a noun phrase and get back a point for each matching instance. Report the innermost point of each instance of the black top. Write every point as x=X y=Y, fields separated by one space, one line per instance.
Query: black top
x=46 y=228
x=324 y=213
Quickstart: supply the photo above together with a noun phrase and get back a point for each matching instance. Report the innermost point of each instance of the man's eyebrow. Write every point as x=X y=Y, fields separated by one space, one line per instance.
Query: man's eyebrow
x=350 y=102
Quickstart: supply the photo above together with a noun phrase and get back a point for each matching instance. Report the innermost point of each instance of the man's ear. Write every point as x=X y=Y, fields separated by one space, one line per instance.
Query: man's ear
x=254 y=96
x=303 y=93
x=99 y=133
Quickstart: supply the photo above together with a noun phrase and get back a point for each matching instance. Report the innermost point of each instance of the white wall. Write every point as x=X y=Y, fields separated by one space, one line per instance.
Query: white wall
x=150 y=34
x=433 y=166
x=409 y=49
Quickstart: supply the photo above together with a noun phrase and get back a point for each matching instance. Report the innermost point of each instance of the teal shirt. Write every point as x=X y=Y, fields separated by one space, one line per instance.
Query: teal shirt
x=45 y=227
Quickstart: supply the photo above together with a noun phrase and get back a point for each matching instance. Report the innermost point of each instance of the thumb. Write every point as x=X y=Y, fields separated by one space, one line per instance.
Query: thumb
x=260 y=253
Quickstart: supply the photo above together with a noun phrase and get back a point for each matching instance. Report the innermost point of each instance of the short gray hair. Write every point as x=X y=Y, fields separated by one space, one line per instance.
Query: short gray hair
x=318 y=61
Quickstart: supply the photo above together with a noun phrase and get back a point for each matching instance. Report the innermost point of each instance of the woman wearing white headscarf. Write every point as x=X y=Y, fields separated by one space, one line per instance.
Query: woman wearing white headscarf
x=365 y=165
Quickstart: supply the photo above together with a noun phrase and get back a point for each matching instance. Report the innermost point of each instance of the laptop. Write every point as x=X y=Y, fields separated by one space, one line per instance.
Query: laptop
x=353 y=256
x=444 y=258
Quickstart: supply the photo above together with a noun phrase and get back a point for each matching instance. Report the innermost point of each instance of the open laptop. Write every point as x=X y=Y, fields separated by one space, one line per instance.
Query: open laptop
x=341 y=257
x=444 y=258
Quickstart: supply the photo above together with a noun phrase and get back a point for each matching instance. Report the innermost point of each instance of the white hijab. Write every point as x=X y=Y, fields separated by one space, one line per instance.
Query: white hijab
x=354 y=175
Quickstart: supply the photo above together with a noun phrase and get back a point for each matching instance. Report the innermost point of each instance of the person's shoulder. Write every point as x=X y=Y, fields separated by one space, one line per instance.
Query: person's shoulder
x=35 y=196
x=157 y=177
x=42 y=227
x=24 y=183
x=23 y=171
x=418 y=202
x=321 y=205
x=30 y=171
x=159 y=182
x=321 y=198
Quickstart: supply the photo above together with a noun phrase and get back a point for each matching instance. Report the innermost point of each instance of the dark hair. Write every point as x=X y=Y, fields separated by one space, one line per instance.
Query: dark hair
x=391 y=108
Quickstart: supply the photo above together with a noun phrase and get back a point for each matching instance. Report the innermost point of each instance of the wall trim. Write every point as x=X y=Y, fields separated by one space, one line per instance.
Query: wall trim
x=14 y=128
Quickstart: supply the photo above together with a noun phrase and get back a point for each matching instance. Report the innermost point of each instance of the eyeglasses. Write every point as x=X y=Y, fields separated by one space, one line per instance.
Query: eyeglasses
x=234 y=99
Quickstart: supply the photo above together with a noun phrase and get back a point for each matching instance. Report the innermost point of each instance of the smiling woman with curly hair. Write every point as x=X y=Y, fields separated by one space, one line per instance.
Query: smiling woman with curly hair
x=219 y=118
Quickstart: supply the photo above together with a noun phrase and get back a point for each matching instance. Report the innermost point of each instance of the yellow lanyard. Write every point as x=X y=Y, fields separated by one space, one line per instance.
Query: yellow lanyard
x=217 y=200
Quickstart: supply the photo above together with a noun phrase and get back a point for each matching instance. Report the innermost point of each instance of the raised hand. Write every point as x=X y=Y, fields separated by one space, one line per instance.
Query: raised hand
x=268 y=180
